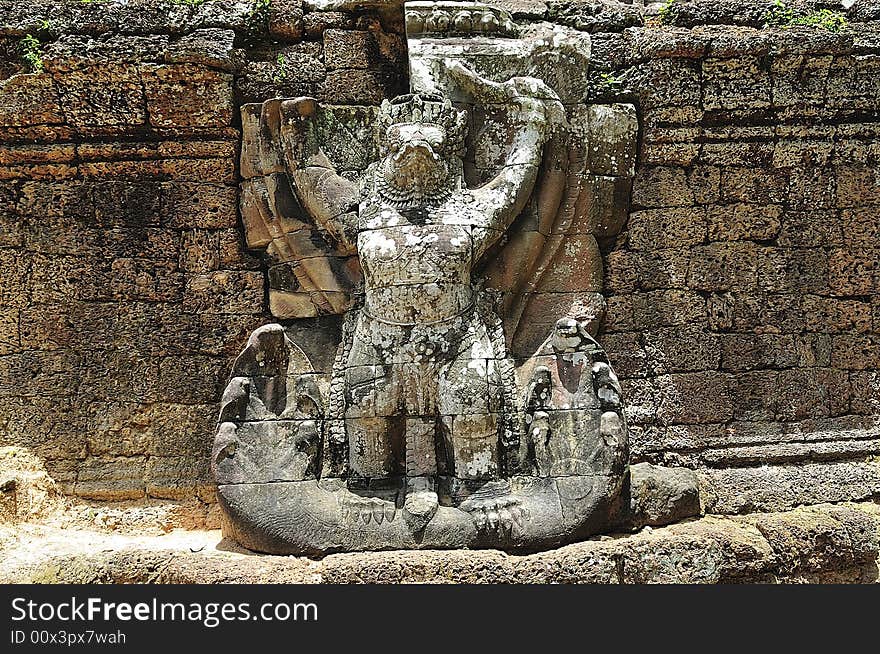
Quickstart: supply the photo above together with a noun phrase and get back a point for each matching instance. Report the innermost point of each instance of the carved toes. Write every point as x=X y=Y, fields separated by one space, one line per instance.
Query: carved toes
x=501 y=515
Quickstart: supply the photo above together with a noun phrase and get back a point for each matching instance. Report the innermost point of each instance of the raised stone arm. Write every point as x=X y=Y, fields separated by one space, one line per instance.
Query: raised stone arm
x=539 y=112
x=330 y=199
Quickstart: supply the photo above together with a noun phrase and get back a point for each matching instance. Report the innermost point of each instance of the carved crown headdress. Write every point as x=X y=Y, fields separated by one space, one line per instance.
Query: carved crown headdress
x=426 y=108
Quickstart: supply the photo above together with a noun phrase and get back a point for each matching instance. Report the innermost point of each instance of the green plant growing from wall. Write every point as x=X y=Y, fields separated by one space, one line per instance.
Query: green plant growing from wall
x=783 y=16
x=779 y=14
x=260 y=11
x=281 y=71
x=610 y=83
x=31 y=51
x=666 y=14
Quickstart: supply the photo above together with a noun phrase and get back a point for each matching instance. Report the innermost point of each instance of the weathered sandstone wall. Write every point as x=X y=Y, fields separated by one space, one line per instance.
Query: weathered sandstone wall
x=744 y=293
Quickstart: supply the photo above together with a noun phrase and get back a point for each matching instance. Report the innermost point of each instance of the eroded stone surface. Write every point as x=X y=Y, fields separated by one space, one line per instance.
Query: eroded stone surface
x=822 y=544
x=765 y=367
x=660 y=496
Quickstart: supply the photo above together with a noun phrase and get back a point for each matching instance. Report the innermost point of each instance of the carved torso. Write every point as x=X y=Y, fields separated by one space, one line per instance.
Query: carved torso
x=416 y=271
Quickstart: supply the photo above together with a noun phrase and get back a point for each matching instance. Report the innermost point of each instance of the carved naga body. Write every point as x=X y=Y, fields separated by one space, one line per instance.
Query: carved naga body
x=425 y=431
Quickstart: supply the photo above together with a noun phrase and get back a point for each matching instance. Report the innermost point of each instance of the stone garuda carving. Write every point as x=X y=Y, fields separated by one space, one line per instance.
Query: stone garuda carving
x=460 y=406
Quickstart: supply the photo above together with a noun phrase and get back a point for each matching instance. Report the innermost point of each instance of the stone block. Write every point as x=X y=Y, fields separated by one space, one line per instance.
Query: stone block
x=45 y=426
x=286 y=19
x=802 y=153
x=349 y=49
x=800 y=80
x=15 y=273
x=654 y=229
x=853 y=352
x=685 y=559
x=621 y=271
x=667 y=307
x=779 y=488
x=199 y=251
x=233 y=253
x=754 y=185
x=315 y=23
x=192 y=379
x=628 y=353
x=860 y=226
x=835 y=316
x=754 y=396
x=224 y=292
x=127 y=204
x=737 y=83
x=613 y=135
x=812 y=188
x=217 y=169
x=799 y=270
x=662 y=186
x=109 y=94
x=10 y=340
x=661 y=496
x=697 y=397
x=723 y=267
x=854 y=271
x=812 y=540
x=29 y=100
x=114 y=373
x=115 y=478
x=294 y=71
x=669 y=83
x=741 y=222
x=175 y=477
x=814 y=228
x=808 y=393
x=738 y=152
x=207 y=47
x=71 y=52
x=682 y=349
x=143 y=279
x=760 y=312
x=618 y=315
x=353 y=86
x=187 y=95
x=857 y=186
x=177 y=429
x=759 y=351
x=865 y=387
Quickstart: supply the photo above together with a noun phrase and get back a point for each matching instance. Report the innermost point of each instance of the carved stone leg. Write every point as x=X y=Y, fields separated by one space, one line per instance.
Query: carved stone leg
x=421 y=450
x=469 y=398
x=464 y=398
x=369 y=422
x=421 y=468
x=370 y=446
x=475 y=446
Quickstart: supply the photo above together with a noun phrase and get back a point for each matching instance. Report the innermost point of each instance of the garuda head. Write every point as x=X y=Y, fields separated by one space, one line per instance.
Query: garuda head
x=422 y=137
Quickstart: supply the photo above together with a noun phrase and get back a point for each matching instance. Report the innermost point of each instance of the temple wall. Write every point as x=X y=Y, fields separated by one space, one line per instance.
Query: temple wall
x=743 y=294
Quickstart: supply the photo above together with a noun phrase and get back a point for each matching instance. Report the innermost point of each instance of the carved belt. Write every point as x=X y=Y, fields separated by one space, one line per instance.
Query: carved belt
x=470 y=307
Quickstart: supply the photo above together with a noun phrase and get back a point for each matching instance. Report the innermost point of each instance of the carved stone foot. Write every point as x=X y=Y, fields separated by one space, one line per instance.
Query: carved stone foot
x=421 y=502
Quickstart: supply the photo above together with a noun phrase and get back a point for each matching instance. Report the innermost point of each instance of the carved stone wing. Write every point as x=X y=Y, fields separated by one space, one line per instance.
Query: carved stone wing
x=550 y=265
x=299 y=163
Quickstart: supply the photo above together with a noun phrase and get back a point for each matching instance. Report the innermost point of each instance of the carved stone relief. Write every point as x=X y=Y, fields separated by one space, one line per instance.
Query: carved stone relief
x=455 y=230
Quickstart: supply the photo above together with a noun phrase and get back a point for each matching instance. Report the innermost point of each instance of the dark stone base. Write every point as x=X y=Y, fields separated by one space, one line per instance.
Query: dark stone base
x=322 y=517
